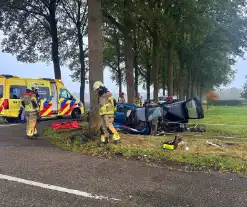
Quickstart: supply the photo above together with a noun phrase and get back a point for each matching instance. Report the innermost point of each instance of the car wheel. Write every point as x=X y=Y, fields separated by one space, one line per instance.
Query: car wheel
x=76 y=113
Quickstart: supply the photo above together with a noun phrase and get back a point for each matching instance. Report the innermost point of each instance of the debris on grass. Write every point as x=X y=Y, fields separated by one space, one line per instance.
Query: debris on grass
x=174 y=143
x=191 y=151
x=214 y=144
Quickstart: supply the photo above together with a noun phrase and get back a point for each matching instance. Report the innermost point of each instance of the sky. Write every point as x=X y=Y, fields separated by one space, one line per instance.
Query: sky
x=9 y=65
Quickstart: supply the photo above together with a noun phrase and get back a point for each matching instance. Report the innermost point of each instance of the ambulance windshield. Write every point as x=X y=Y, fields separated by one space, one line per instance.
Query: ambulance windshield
x=1 y=91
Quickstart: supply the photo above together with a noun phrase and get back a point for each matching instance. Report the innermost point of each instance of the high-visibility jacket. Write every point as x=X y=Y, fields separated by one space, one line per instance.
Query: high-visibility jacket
x=138 y=102
x=106 y=102
x=30 y=103
x=121 y=100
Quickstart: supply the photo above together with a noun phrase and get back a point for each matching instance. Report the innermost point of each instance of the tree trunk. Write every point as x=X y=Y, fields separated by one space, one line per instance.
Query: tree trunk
x=118 y=50
x=136 y=64
x=188 y=94
x=148 y=80
x=155 y=67
x=53 y=30
x=170 y=70
x=181 y=75
x=82 y=63
x=136 y=74
x=192 y=88
x=164 y=82
x=119 y=81
x=95 y=57
x=128 y=51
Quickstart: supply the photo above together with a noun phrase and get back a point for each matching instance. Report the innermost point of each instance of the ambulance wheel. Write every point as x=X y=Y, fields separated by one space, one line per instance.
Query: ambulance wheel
x=76 y=113
x=11 y=120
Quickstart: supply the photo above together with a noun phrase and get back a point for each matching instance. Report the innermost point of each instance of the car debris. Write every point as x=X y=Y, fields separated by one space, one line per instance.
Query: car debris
x=152 y=120
x=172 y=145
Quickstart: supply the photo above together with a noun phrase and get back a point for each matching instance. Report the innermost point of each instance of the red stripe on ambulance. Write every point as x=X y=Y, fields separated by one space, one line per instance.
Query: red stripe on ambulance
x=45 y=109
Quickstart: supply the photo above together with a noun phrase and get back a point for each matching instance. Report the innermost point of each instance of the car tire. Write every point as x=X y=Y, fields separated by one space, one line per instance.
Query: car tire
x=76 y=113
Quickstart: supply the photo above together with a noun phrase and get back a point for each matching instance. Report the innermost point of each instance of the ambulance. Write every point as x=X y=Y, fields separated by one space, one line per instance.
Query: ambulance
x=55 y=99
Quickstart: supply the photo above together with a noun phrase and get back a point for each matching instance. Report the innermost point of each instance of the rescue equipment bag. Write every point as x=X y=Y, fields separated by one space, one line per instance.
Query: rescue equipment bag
x=65 y=125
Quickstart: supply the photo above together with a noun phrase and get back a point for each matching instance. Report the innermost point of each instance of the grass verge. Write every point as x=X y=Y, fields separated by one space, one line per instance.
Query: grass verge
x=232 y=157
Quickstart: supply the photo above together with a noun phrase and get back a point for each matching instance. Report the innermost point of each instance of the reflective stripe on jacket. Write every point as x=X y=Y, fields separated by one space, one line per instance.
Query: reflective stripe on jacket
x=121 y=100
x=30 y=103
x=106 y=102
x=138 y=102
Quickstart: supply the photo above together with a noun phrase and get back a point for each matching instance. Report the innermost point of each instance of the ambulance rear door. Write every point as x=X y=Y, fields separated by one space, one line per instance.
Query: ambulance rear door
x=54 y=93
x=2 y=87
x=17 y=88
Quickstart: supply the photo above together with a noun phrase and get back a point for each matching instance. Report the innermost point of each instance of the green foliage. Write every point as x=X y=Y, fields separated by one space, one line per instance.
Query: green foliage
x=244 y=92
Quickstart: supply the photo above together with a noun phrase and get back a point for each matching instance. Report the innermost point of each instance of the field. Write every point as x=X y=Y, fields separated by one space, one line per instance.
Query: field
x=229 y=121
x=195 y=152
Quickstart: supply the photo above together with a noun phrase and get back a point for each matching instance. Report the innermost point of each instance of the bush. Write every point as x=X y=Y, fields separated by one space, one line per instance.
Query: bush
x=226 y=102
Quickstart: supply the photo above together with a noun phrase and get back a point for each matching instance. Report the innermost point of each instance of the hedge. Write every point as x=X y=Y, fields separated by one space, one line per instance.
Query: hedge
x=226 y=103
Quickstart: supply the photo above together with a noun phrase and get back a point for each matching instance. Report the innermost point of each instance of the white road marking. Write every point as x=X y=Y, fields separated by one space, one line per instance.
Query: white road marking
x=56 y=188
x=8 y=125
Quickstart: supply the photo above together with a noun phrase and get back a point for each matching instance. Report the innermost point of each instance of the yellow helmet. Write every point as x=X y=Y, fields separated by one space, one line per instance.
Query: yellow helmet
x=97 y=85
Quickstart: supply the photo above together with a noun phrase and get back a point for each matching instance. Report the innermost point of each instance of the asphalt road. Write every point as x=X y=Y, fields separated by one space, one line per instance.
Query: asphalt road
x=35 y=173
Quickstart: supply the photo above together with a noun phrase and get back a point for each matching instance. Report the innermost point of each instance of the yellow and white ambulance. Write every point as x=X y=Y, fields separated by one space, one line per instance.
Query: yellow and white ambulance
x=55 y=99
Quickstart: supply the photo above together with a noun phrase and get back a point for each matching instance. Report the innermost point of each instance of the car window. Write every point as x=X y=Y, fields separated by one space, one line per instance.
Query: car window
x=44 y=92
x=16 y=92
x=64 y=94
x=192 y=111
x=1 y=91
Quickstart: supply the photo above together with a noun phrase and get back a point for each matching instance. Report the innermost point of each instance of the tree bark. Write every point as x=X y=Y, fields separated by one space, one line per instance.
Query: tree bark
x=170 y=70
x=95 y=57
x=155 y=67
x=119 y=81
x=136 y=64
x=136 y=74
x=164 y=82
x=148 y=80
x=82 y=63
x=54 y=36
x=119 y=72
x=188 y=94
x=128 y=51
x=181 y=75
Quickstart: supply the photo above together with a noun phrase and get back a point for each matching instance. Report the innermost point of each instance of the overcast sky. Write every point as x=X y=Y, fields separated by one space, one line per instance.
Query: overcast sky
x=9 y=65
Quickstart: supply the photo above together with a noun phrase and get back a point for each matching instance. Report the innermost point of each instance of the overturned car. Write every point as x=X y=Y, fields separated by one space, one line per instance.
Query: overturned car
x=152 y=120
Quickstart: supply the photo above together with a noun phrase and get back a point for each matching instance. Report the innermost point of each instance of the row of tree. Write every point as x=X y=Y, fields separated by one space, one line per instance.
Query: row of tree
x=185 y=47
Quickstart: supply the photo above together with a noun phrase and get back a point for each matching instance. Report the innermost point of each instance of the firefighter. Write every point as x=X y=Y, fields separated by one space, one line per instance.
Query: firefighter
x=30 y=105
x=169 y=99
x=138 y=100
x=121 y=98
x=106 y=112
